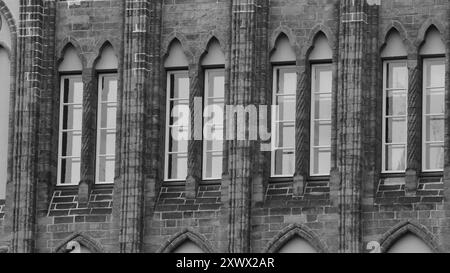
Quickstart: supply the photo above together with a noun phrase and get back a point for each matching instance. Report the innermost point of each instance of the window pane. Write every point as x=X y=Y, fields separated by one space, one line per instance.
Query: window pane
x=214 y=145
x=435 y=102
x=284 y=162
x=398 y=75
x=434 y=156
x=177 y=166
x=322 y=159
x=322 y=133
x=396 y=103
x=180 y=90
x=287 y=81
x=70 y=170
x=107 y=142
x=75 y=92
x=109 y=92
x=108 y=115
x=286 y=108
x=395 y=157
x=106 y=169
x=73 y=117
x=285 y=135
x=322 y=106
x=436 y=74
x=324 y=80
x=434 y=127
x=213 y=166
x=216 y=85
x=71 y=144
x=396 y=130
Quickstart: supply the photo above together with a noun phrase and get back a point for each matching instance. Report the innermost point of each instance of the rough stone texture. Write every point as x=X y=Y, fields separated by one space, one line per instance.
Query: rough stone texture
x=247 y=211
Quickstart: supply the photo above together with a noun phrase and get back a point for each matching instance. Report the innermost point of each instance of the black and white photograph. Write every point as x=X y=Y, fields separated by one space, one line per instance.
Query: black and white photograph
x=234 y=134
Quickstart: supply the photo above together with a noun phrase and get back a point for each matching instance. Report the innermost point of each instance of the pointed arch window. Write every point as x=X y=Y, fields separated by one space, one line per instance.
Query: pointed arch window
x=395 y=105
x=5 y=93
x=433 y=110
x=321 y=105
x=284 y=92
x=177 y=114
x=70 y=118
x=213 y=64
x=106 y=116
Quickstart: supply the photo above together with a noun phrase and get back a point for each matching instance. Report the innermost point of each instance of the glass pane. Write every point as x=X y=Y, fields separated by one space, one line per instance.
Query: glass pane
x=286 y=108
x=322 y=133
x=71 y=144
x=434 y=127
x=284 y=162
x=435 y=102
x=177 y=166
x=398 y=76
x=72 y=117
x=287 y=82
x=396 y=103
x=109 y=92
x=70 y=171
x=285 y=135
x=107 y=142
x=106 y=169
x=216 y=84
x=322 y=106
x=396 y=130
x=324 y=80
x=180 y=113
x=321 y=161
x=214 y=145
x=213 y=165
x=396 y=158
x=436 y=74
x=180 y=89
x=434 y=156
x=177 y=145
x=108 y=116
x=75 y=92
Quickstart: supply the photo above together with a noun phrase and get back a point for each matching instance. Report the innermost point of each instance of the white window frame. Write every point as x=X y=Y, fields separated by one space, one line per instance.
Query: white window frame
x=167 y=126
x=101 y=76
x=206 y=98
x=385 y=90
x=61 y=131
x=312 y=147
x=424 y=115
x=274 y=121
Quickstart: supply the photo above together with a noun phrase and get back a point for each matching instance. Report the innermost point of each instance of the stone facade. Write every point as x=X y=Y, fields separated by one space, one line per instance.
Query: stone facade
x=246 y=211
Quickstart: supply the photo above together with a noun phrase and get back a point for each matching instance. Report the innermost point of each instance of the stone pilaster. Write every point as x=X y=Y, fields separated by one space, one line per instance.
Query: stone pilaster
x=354 y=44
x=88 y=138
x=245 y=37
x=30 y=77
x=141 y=64
x=414 y=125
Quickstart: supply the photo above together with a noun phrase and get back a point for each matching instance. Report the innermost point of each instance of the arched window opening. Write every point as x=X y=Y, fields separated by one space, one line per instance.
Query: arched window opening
x=410 y=243
x=297 y=245
x=433 y=109
x=5 y=94
x=213 y=64
x=284 y=99
x=70 y=118
x=177 y=114
x=188 y=247
x=320 y=59
x=106 y=68
x=395 y=104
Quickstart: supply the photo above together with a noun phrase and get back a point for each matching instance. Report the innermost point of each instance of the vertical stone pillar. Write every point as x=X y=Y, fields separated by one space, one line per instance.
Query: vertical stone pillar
x=140 y=63
x=243 y=90
x=30 y=77
x=88 y=138
x=354 y=44
x=414 y=156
